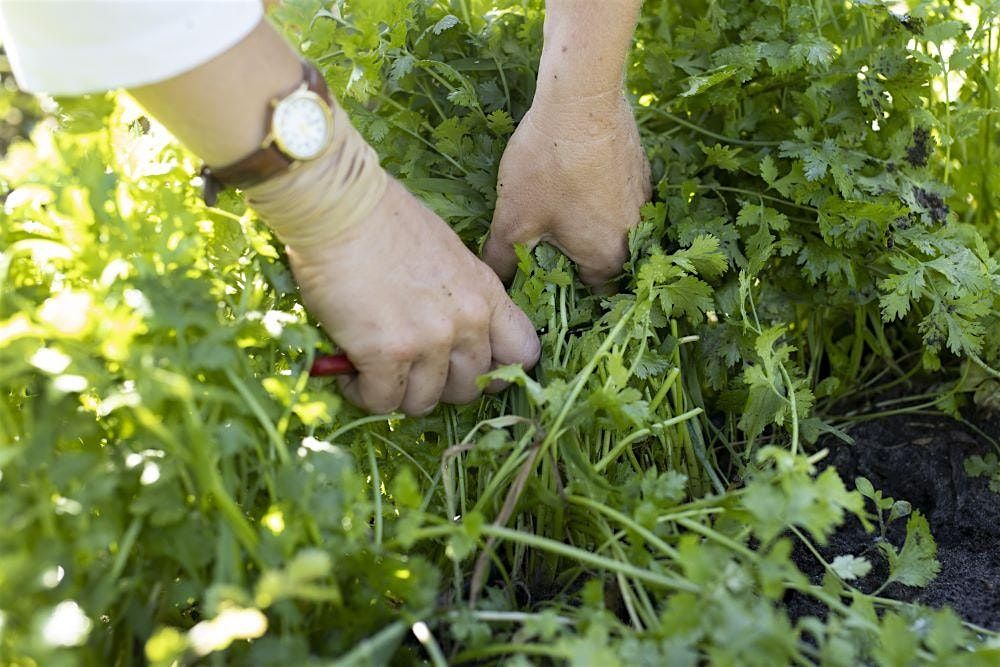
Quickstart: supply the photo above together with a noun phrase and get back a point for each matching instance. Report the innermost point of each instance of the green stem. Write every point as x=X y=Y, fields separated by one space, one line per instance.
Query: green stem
x=668 y=382
x=813 y=550
x=709 y=133
x=913 y=409
x=376 y=491
x=125 y=548
x=718 y=537
x=748 y=193
x=642 y=433
x=494 y=650
x=793 y=407
x=577 y=554
x=512 y=463
x=377 y=648
x=426 y=639
x=509 y=617
x=982 y=364
x=858 y=344
x=258 y=411
x=629 y=523
x=361 y=422
x=582 y=378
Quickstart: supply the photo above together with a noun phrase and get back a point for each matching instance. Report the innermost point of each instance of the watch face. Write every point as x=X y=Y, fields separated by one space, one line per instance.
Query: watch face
x=302 y=125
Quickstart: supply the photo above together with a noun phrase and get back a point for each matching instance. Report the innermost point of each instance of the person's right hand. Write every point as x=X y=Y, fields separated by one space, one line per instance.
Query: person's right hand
x=420 y=317
x=574 y=174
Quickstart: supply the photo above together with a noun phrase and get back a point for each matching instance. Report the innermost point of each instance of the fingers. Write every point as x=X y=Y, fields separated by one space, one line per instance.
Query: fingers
x=514 y=221
x=379 y=386
x=499 y=254
x=512 y=336
x=517 y=218
x=598 y=258
x=646 y=182
x=597 y=242
x=426 y=385
x=599 y=268
x=439 y=376
x=466 y=367
x=441 y=366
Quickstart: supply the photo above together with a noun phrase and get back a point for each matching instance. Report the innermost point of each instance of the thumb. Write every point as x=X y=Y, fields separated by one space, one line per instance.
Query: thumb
x=597 y=276
x=512 y=335
x=499 y=254
x=515 y=220
x=599 y=258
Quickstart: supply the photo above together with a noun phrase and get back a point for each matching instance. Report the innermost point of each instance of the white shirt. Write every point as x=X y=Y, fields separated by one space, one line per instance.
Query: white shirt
x=71 y=47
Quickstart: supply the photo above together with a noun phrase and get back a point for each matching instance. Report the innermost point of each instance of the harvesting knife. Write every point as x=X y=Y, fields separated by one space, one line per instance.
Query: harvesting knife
x=332 y=364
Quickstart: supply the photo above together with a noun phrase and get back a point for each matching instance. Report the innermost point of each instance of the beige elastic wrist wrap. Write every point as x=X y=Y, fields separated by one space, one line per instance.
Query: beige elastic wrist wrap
x=317 y=201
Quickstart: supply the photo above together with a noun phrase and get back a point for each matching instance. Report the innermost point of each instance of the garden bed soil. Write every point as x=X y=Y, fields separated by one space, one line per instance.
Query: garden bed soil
x=920 y=459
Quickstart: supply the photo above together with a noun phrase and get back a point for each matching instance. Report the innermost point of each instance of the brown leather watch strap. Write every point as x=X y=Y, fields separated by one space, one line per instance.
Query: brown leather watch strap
x=264 y=163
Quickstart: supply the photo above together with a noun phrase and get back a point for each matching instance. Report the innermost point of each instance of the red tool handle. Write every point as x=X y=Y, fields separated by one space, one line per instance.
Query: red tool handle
x=332 y=364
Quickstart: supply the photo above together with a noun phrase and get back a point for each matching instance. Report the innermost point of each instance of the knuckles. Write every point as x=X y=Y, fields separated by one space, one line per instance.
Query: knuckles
x=403 y=350
x=378 y=400
x=475 y=312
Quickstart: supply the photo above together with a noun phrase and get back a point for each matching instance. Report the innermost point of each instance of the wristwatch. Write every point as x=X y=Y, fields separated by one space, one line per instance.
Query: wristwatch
x=299 y=129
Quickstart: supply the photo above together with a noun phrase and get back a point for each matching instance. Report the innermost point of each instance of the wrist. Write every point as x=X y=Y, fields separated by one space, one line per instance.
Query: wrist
x=320 y=202
x=573 y=100
x=563 y=81
x=579 y=118
x=300 y=129
x=572 y=90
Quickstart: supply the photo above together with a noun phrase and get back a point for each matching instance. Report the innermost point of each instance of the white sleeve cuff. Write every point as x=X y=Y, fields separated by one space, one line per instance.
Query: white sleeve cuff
x=72 y=48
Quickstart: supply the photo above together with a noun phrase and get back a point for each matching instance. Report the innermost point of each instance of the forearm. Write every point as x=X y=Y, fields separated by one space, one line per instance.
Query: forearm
x=586 y=45
x=575 y=172
x=220 y=110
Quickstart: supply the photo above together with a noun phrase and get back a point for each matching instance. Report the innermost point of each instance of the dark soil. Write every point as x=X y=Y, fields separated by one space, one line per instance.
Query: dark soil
x=920 y=459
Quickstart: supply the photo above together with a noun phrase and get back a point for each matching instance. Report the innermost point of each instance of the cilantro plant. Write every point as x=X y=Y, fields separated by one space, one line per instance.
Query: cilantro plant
x=176 y=489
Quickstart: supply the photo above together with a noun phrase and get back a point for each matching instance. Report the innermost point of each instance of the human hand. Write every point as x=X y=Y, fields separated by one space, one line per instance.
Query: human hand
x=418 y=314
x=420 y=317
x=574 y=174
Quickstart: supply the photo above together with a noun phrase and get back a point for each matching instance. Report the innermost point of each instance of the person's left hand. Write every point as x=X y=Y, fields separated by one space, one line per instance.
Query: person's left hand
x=574 y=174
